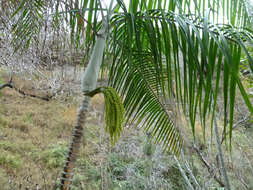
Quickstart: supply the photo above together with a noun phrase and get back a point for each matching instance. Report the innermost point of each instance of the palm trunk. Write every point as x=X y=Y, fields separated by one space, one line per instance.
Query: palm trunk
x=68 y=172
x=89 y=81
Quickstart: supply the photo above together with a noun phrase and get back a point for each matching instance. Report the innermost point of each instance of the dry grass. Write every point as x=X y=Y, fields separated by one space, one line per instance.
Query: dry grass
x=34 y=134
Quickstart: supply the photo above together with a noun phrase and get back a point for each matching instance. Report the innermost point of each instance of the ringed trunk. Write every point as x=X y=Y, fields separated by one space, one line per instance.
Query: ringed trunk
x=89 y=81
x=68 y=172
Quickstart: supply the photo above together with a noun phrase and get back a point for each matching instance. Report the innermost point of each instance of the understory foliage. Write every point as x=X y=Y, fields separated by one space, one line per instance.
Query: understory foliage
x=33 y=145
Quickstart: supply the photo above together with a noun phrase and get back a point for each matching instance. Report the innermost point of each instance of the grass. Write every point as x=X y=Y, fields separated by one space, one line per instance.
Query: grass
x=1 y=78
x=54 y=156
x=34 y=137
x=3 y=122
x=10 y=161
x=28 y=117
x=30 y=130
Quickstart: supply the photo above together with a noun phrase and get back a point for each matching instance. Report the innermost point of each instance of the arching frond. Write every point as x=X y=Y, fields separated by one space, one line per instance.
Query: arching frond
x=138 y=83
x=176 y=54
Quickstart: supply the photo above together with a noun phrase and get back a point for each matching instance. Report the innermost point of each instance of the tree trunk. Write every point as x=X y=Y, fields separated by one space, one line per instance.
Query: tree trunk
x=68 y=172
x=89 y=81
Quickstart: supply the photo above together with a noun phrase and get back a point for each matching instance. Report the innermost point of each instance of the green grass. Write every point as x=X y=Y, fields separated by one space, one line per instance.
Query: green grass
x=1 y=79
x=54 y=156
x=34 y=134
x=10 y=161
x=3 y=122
x=28 y=118
x=8 y=146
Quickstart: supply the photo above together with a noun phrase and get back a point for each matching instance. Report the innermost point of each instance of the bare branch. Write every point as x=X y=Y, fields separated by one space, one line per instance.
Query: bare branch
x=10 y=85
x=208 y=166
x=5 y=85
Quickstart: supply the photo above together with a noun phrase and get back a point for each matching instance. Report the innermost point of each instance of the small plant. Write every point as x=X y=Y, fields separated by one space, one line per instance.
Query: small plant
x=10 y=161
x=54 y=156
x=175 y=176
x=77 y=182
x=28 y=118
x=93 y=174
x=117 y=167
x=149 y=147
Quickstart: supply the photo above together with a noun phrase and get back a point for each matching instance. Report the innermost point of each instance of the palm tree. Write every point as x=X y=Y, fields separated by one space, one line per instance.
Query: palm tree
x=161 y=50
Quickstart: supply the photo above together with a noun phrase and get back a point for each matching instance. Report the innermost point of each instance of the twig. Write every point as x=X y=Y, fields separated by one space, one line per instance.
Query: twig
x=242 y=181
x=5 y=85
x=85 y=20
x=209 y=168
x=46 y=98
x=43 y=177
x=246 y=157
x=220 y=155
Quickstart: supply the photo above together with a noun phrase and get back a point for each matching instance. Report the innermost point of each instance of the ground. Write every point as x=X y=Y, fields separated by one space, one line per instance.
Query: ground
x=35 y=135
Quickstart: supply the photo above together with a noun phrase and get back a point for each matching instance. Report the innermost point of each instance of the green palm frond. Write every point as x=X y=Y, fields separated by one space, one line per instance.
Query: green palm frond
x=236 y=12
x=114 y=111
x=138 y=84
x=28 y=24
x=139 y=75
x=175 y=54
x=82 y=28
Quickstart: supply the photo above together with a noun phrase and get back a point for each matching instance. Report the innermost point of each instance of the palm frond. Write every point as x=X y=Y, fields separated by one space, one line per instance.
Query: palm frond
x=236 y=12
x=184 y=53
x=137 y=82
x=30 y=18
